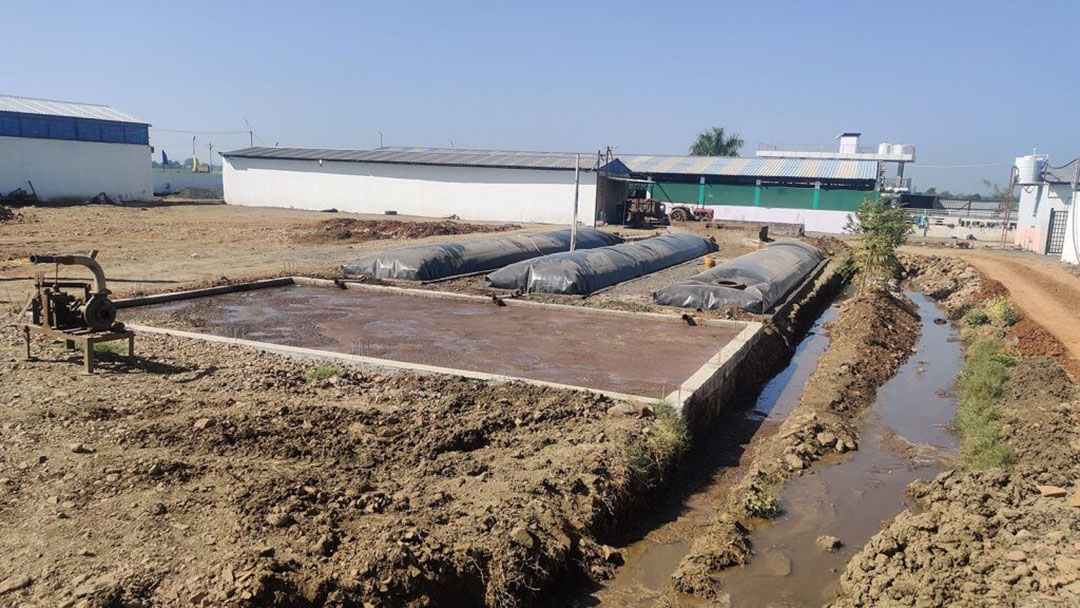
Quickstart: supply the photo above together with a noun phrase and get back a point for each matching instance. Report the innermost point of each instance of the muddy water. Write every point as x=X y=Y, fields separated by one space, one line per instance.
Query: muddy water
x=652 y=557
x=626 y=354
x=904 y=436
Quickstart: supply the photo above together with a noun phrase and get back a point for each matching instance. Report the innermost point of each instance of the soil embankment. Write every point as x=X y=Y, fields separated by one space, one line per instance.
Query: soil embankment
x=872 y=335
x=213 y=475
x=1004 y=536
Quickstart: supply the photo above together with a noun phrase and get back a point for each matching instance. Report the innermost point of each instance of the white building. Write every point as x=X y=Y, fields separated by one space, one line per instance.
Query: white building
x=1046 y=218
x=470 y=184
x=70 y=152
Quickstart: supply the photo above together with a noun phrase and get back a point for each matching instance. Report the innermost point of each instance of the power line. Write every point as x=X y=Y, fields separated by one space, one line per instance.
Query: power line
x=199 y=132
x=919 y=166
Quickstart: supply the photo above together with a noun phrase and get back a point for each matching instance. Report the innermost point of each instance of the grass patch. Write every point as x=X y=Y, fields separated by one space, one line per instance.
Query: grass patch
x=649 y=457
x=321 y=372
x=979 y=414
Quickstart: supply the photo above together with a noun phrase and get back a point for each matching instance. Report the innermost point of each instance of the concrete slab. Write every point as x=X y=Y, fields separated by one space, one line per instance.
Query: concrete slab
x=647 y=355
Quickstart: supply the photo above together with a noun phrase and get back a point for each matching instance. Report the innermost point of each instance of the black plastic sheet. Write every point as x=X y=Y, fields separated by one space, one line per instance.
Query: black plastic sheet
x=583 y=272
x=443 y=260
x=754 y=282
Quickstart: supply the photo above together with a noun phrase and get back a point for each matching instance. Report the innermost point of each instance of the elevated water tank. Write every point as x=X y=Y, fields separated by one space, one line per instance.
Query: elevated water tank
x=1030 y=168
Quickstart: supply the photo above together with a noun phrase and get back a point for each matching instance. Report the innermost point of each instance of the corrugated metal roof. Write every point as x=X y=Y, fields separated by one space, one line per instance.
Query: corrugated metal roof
x=751 y=166
x=30 y=105
x=429 y=156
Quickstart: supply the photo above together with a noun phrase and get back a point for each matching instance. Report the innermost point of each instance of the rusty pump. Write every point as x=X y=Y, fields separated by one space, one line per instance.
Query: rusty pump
x=88 y=320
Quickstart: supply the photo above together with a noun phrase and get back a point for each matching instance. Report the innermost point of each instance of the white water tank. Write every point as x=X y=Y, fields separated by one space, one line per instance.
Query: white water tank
x=1030 y=169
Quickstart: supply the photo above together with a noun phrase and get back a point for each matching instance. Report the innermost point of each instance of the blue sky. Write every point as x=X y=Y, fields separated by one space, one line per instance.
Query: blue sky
x=969 y=83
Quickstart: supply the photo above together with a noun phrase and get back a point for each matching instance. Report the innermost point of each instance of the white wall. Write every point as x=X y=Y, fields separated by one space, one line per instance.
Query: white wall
x=166 y=182
x=1071 y=251
x=1033 y=214
x=813 y=220
x=471 y=193
x=70 y=171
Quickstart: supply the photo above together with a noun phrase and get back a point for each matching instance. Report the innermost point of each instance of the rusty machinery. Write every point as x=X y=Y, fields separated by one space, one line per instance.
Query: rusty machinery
x=88 y=319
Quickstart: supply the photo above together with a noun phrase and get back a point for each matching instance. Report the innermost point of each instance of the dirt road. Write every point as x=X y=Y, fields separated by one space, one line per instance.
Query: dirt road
x=1040 y=286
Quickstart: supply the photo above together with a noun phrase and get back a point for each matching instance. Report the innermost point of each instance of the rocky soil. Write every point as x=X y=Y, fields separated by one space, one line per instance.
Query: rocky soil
x=352 y=230
x=215 y=475
x=872 y=335
x=995 y=537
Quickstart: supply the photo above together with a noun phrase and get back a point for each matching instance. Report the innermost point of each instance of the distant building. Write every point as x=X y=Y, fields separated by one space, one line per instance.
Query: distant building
x=68 y=152
x=1046 y=218
x=435 y=182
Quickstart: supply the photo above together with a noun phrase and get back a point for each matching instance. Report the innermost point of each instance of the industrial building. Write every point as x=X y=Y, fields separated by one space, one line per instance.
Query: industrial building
x=67 y=152
x=470 y=184
x=1046 y=218
x=813 y=187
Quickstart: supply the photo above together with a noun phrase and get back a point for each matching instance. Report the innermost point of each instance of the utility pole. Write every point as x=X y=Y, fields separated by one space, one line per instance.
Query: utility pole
x=577 y=183
x=194 y=159
x=380 y=139
x=251 y=134
x=211 y=157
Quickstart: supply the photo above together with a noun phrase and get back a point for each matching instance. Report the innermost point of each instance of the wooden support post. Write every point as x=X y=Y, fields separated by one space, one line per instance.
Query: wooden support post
x=88 y=355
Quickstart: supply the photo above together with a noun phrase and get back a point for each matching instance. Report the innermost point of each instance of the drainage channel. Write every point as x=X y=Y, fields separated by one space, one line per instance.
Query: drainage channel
x=904 y=437
x=650 y=559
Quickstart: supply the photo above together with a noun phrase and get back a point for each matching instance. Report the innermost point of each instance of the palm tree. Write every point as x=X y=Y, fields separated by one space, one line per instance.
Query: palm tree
x=714 y=142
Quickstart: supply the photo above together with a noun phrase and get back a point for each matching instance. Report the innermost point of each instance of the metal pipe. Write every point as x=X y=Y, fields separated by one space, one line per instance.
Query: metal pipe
x=75 y=260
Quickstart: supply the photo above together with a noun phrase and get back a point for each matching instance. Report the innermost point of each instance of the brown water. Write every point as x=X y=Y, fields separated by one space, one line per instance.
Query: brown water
x=651 y=557
x=627 y=354
x=904 y=436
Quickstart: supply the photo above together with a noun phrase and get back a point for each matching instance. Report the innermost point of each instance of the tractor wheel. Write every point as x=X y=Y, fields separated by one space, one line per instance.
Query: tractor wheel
x=679 y=215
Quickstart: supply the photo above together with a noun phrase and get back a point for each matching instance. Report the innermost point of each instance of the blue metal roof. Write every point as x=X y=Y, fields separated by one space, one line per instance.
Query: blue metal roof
x=737 y=166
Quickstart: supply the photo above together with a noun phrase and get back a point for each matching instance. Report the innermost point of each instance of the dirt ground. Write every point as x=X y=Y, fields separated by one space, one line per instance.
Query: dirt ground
x=213 y=475
x=352 y=230
x=166 y=246
x=996 y=537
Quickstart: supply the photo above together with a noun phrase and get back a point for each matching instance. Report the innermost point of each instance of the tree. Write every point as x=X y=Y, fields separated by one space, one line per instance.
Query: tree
x=715 y=142
x=880 y=228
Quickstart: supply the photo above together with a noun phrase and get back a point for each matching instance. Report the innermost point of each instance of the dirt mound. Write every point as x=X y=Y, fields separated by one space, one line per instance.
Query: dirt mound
x=871 y=337
x=829 y=245
x=350 y=230
x=954 y=283
x=7 y=214
x=215 y=475
x=1032 y=340
x=196 y=194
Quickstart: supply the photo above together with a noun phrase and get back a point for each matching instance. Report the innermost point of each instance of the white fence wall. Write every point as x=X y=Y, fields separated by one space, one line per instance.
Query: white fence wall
x=813 y=220
x=72 y=171
x=167 y=182
x=472 y=193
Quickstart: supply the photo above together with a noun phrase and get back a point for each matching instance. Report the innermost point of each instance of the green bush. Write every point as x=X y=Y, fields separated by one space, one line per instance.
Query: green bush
x=321 y=372
x=1003 y=311
x=650 y=456
x=977 y=318
x=880 y=228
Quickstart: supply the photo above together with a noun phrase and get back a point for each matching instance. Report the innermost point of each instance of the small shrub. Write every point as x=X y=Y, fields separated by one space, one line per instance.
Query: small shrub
x=977 y=318
x=1003 y=311
x=880 y=227
x=321 y=372
x=651 y=456
x=761 y=501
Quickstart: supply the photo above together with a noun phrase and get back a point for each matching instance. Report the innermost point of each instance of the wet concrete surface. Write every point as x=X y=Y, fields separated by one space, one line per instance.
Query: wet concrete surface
x=904 y=437
x=652 y=557
x=634 y=355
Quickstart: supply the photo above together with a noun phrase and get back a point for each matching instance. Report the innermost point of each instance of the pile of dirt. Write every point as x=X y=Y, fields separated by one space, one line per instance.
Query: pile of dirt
x=989 y=537
x=1002 y=537
x=952 y=282
x=871 y=337
x=7 y=214
x=193 y=193
x=350 y=230
x=217 y=475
